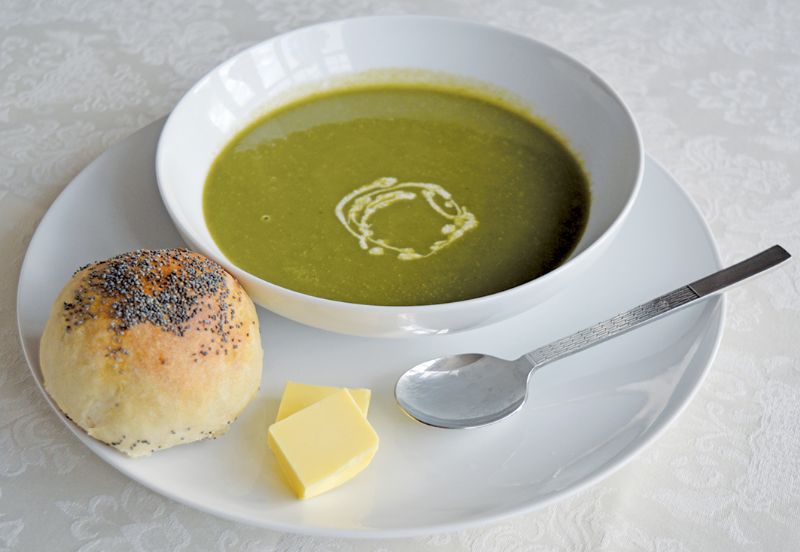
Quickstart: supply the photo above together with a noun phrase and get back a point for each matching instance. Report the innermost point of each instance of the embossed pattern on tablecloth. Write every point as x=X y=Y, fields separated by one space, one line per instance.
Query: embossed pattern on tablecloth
x=715 y=86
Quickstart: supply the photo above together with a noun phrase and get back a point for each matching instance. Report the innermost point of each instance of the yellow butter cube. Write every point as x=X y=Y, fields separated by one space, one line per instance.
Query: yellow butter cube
x=323 y=445
x=297 y=396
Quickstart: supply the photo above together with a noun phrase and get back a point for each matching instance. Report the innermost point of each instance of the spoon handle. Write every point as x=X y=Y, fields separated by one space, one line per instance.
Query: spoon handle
x=658 y=307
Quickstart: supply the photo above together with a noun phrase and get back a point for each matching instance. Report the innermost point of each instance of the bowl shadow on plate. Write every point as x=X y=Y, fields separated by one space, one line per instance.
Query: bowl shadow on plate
x=137 y=206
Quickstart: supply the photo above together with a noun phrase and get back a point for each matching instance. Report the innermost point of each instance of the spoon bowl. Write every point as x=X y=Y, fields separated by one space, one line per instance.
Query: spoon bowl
x=463 y=391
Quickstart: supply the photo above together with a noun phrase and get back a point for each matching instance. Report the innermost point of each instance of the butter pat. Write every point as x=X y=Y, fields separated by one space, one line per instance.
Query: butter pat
x=323 y=445
x=297 y=396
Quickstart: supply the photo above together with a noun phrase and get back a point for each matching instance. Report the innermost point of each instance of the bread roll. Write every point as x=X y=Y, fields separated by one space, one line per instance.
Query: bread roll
x=152 y=349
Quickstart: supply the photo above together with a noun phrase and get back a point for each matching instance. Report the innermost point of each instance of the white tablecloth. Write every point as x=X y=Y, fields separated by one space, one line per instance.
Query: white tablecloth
x=715 y=86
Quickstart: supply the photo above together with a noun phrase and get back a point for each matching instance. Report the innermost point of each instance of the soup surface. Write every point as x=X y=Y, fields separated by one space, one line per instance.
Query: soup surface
x=396 y=196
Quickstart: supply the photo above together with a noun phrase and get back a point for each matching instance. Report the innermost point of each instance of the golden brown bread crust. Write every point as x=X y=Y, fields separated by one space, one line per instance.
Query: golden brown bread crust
x=151 y=349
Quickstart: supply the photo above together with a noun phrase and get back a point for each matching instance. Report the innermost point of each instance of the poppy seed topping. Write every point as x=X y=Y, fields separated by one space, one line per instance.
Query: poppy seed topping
x=166 y=288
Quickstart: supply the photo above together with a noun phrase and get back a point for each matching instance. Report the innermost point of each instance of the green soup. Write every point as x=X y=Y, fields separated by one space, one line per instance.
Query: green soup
x=396 y=196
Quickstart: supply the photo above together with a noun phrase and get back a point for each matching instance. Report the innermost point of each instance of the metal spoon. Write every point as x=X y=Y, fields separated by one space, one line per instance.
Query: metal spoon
x=471 y=390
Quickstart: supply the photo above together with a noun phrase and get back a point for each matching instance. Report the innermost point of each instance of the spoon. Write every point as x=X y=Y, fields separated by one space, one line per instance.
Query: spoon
x=471 y=390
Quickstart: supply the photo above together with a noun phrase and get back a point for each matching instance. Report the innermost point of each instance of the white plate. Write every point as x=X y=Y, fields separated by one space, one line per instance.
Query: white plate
x=587 y=415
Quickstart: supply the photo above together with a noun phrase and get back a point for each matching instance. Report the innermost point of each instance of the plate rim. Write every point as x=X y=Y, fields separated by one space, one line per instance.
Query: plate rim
x=659 y=426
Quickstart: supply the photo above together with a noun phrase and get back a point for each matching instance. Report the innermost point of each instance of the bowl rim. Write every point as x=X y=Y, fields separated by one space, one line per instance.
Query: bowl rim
x=246 y=276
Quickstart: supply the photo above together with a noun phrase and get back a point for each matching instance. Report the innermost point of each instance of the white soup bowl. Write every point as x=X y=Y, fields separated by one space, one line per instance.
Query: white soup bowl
x=554 y=87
